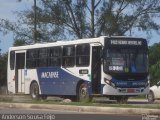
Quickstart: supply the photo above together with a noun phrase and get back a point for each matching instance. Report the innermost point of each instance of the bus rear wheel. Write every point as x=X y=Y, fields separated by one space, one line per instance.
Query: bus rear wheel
x=34 y=91
x=44 y=97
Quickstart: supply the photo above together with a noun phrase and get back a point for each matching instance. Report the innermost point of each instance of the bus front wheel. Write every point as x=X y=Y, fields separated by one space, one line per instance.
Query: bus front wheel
x=34 y=91
x=122 y=99
x=83 y=95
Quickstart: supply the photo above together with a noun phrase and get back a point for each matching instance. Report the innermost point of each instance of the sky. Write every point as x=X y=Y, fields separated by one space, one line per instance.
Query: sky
x=8 y=7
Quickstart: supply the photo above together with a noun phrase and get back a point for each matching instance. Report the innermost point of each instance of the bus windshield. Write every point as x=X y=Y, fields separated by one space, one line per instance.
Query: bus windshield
x=125 y=60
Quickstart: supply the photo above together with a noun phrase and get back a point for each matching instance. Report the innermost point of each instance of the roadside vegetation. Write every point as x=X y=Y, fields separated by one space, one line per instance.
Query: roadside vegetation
x=3 y=72
x=103 y=102
x=154 y=63
x=94 y=102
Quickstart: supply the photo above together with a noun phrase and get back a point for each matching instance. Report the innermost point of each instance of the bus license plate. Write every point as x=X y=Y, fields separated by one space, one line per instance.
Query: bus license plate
x=130 y=90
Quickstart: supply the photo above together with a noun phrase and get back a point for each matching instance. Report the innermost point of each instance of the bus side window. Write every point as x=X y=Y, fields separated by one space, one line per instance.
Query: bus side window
x=42 y=57
x=29 y=59
x=12 y=60
x=32 y=59
x=68 y=59
x=54 y=56
x=82 y=55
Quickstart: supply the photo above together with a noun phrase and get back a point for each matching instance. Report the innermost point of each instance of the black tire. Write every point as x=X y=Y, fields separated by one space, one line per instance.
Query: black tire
x=122 y=100
x=150 y=97
x=44 y=97
x=34 y=91
x=82 y=94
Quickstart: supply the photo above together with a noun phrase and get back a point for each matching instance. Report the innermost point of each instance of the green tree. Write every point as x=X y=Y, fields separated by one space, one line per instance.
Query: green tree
x=3 y=69
x=67 y=19
x=19 y=43
x=154 y=63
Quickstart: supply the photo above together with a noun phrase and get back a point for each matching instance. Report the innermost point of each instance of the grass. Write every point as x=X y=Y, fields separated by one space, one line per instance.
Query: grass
x=93 y=103
x=6 y=99
x=100 y=104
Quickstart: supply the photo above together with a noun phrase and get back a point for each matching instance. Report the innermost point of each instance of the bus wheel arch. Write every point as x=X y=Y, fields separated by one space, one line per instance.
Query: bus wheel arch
x=34 y=90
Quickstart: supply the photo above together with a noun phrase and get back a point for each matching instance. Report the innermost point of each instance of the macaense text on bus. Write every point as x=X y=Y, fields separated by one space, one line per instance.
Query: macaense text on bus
x=50 y=75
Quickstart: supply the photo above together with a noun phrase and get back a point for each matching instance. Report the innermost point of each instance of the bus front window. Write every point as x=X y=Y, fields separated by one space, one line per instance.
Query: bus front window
x=125 y=60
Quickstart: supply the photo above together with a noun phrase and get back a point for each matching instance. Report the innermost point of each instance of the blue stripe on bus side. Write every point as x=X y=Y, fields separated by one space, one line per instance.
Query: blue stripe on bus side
x=56 y=81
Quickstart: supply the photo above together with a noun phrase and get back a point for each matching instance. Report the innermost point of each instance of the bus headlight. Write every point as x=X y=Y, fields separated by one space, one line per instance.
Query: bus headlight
x=107 y=81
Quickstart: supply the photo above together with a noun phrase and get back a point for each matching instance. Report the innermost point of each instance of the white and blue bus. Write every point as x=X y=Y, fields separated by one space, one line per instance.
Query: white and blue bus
x=116 y=67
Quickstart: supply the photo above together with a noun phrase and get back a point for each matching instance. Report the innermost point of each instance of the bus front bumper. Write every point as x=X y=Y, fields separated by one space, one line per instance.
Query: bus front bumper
x=109 y=90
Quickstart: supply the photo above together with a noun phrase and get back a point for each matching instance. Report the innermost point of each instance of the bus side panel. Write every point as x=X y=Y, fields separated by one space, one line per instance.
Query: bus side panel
x=30 y=75
x=21 y=83
x=11 y=81
x=56 y=81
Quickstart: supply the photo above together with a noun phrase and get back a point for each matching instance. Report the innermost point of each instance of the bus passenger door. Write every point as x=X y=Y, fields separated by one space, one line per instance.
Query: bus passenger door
x=19 y=72
x=96 y=69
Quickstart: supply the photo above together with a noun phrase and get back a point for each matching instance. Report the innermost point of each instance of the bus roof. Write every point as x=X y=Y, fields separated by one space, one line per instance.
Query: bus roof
x=65 y=42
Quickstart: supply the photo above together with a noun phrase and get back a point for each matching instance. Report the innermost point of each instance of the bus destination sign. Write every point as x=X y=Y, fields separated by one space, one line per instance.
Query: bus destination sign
x=126 y=42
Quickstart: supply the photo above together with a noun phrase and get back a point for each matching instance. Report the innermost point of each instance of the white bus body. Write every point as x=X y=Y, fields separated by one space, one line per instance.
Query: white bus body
x=80 y=68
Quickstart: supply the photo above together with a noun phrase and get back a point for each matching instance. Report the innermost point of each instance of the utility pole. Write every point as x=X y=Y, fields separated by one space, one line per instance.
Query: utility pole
x=35 y=22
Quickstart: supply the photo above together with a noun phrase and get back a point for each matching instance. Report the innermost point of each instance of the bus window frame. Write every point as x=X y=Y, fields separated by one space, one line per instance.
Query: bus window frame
x=80 y=55
x=12 y=60
x=66 y=58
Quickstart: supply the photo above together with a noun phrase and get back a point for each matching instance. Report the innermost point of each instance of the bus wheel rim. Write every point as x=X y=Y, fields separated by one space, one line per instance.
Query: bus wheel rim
x=34 y=93
x=83 y=92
